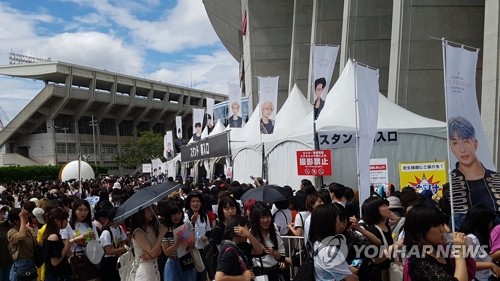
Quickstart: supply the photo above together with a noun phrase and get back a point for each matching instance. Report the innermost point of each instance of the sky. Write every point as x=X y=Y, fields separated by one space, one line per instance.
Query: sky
x=167 y=40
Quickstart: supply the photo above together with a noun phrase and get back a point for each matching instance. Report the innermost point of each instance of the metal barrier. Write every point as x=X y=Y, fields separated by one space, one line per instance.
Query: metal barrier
x=291 y=243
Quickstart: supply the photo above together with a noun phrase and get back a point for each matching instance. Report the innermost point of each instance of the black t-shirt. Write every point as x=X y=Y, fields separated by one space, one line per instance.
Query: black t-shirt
x=234 y=260
x=388 y=237
x=217 y=233
x=53 y=249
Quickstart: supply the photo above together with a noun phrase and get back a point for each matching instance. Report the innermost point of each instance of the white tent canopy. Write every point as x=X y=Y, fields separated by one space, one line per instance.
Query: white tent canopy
x=293 y=132
x=246 y=149
x=419 y=138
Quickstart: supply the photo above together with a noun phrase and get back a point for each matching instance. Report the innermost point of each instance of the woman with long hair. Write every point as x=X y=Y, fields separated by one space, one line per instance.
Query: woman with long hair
x=174 y=218
x=329 y=260
x=146 y=240
x=477 y=225
x=425 y=226
x=227 y=208
x=272 y=262
x=80 y=223
x=197 y=215
x=55 y=249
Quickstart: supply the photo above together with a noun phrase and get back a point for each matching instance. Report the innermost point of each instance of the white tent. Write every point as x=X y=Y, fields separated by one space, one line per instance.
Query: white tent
x=246 y=149
x=281 y=146
x=419 y=138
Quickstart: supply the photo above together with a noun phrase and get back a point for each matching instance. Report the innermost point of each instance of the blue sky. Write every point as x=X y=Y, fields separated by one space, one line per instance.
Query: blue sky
x=167 y=40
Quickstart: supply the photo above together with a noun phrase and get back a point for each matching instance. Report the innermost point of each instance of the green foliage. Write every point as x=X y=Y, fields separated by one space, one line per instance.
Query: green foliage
x=38 y=173
x=148 y=146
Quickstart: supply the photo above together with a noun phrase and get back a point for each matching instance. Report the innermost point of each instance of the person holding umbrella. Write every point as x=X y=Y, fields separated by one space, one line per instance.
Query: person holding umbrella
x=146 y=241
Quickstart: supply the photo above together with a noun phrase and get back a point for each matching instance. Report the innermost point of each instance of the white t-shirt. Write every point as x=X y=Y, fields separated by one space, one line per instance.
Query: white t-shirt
x=118 y=237
x=69 y=233
x=268 y=260
x=200 y=229
x=329 y=263
x=482 y=256
x=300 y=219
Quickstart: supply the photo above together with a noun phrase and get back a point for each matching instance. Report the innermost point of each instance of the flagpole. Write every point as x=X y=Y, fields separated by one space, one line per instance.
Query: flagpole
x=444 y=43
x=357 y=133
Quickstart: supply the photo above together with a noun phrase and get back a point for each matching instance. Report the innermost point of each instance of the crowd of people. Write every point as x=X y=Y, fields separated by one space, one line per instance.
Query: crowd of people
x=45 y=226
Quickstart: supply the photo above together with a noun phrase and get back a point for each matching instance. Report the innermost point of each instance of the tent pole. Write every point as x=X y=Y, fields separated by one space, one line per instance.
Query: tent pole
x=452 y=217
x=357 y=134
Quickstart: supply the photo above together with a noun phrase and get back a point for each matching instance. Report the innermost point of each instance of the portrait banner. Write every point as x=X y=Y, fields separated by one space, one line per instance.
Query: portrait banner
x=367 y=91
x=473 y=175
x=234 y=116
x=168 y=151
x=209 y=114
x=197 y=123
x=268 y=100
x=178 y=127
x=324 y=58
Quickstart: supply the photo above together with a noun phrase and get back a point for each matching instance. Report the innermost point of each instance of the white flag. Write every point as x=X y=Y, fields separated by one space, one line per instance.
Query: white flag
x=234 y=118
x=178 y=127
x=268 y=100
x=168 y=151
x=367 y=92
x=324 y=58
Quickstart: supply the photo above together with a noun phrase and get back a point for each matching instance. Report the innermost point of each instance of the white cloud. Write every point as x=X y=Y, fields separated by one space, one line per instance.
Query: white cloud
x=207 y=72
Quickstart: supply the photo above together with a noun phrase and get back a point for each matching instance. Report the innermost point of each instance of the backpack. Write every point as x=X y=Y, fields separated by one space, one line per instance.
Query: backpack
x=127 y=266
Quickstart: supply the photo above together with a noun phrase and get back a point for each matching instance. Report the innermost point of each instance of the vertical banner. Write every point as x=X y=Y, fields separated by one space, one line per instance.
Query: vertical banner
x=324 y=58
x=178 y=127
x=197 y=123
x=268 y=99
x=235 y=119
x=473 y=176
x=367 y=91
x=168 y=151
x=209 y=115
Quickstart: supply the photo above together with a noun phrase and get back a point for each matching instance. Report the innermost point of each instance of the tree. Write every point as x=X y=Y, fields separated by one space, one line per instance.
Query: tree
x=148 y=146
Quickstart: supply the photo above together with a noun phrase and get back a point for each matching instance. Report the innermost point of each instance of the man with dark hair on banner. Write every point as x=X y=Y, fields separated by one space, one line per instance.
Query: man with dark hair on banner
x=210 y=123
x=472 y=183
x=319 y=87
x=235 y=121
x=197 y=131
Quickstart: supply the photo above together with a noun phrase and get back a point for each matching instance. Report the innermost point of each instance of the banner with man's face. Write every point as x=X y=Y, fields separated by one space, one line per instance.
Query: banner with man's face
x=209 y=114
x=197 y=123
x=234 y=118
x=178 y=127
x=473 y=177
x=268 y=100
x=324 y=58
x=168 y=147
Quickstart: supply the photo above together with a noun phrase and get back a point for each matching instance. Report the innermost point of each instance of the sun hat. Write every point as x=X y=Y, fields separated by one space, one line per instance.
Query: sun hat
x=38 y=213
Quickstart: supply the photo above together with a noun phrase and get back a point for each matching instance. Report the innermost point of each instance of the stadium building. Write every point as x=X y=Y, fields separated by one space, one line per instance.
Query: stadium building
x=92 y=112
x=399 y=37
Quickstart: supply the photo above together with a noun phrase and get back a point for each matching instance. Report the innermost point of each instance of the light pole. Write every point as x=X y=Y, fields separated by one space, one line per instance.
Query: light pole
x=93 y=124
x=65 y=129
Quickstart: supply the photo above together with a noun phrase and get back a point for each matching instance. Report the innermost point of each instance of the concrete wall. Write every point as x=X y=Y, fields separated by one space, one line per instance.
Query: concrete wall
x=416 y=76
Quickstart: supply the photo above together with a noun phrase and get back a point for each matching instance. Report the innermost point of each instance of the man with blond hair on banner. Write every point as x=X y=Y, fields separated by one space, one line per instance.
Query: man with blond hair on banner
x=472 y=182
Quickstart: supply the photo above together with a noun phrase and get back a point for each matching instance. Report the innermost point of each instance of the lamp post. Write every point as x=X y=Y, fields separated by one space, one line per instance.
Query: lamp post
x=65 y=129
x=93 y=124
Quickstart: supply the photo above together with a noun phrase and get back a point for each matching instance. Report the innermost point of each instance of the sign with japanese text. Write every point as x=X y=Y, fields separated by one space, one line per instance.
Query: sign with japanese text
x=210 y=147
x=424 y=176
x=314 y=163
x=341 y=139
x=379 y=174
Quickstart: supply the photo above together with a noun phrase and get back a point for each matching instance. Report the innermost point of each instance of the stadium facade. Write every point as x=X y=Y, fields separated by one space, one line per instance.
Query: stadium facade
x=82 y=108
x=398 y=37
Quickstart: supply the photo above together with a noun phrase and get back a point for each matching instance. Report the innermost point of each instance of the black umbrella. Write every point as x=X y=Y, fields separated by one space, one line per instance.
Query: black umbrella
x=143 y=198
x=266 y=194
